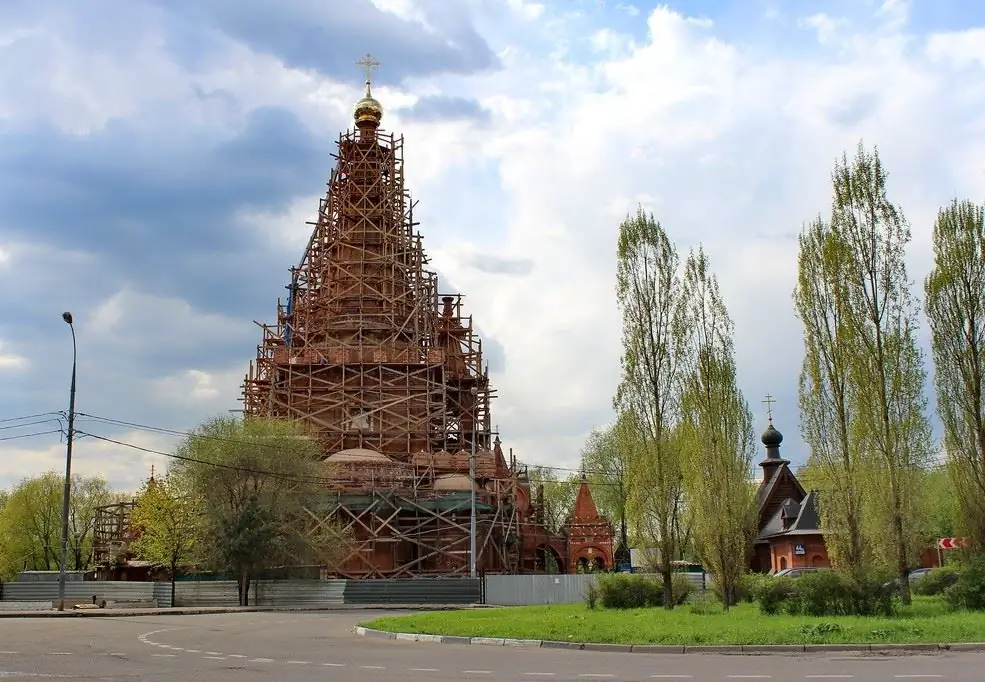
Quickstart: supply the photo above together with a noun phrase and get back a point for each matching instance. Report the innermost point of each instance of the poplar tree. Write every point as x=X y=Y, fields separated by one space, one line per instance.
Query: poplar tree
x=824 y=394
x=648 y=292
x=606 y=464
x=886 y=372
x=716 y=432
x=955 y=306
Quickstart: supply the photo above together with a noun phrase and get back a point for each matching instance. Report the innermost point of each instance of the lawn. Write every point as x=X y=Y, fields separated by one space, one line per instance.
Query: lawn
x=928 y=620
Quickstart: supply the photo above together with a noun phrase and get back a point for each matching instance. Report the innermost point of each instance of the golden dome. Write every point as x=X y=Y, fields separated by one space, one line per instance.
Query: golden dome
x=368 y=109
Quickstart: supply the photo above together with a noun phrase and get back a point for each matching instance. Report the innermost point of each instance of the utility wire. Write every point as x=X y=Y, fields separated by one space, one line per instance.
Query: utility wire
x=29 y=416
x=30 y=435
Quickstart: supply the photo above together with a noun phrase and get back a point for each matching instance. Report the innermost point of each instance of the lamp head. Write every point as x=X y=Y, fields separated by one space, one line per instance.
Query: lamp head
x=67 y=317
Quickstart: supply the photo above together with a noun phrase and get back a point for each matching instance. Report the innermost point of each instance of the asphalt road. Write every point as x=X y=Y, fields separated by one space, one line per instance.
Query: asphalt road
x=296 y=647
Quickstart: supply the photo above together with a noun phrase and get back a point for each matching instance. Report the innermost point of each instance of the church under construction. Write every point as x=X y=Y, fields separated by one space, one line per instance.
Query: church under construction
x=388 y=374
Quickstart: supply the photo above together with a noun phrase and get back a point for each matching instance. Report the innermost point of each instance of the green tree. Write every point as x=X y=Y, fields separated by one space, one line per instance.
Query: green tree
x=31 y=523
x=716 y=432
x=648 y=292
x=261 y=491
x=554 y=496
x=955 y=307
x=165 y=518
x=827 y=420
x=887 y=369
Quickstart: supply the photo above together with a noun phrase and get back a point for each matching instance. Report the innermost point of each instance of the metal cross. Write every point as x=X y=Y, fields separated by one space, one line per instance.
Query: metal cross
x=368 y=64
x=769 y=407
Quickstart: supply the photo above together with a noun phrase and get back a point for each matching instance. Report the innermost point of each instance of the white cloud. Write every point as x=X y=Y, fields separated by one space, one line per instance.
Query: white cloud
x=825 y=26
x=130 y=318
x=962 y=48
x=211 y=392
x=11 y=361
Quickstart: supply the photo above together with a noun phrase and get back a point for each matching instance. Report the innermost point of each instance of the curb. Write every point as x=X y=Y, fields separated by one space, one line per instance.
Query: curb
x=207 y=610
x=733 y=649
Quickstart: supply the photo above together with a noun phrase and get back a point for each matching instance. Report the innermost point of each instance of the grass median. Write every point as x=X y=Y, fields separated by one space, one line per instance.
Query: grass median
x=927 y=620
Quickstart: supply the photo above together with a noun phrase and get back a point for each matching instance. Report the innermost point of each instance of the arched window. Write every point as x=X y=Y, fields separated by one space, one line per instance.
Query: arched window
x=783 y=563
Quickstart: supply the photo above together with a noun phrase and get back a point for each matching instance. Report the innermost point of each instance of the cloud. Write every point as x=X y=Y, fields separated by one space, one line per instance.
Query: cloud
x=157 y=171
x=442 y=108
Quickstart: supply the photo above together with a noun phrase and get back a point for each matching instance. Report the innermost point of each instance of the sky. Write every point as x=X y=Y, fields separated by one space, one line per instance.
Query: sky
x=159 y=160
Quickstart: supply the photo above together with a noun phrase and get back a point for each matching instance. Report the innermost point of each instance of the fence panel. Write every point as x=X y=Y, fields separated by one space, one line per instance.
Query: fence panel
x=206 y=593
x=111 y=591
x=521 y=590
x=414 y=591
x=300 y=593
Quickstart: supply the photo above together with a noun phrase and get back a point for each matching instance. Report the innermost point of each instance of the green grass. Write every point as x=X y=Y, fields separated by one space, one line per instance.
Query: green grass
x=928 y=620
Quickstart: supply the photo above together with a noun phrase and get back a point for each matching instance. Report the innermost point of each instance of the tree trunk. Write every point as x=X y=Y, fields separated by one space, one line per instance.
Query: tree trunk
x=668 y=578
x=174 y=570
x=244 y=587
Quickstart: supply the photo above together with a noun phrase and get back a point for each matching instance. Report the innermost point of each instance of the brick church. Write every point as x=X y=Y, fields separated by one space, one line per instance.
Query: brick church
x=789 y=520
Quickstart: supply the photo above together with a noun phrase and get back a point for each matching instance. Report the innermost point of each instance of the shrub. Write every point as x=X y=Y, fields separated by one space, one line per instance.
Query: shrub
x=627 y=591
x=681 y=588
x=750 y=586
x=968 y=591
x=773 y=593
x=826 y=593
x=592 y=595
x=936 y=581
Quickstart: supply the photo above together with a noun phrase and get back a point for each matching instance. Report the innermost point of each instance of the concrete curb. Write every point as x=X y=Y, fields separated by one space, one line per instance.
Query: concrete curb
x=206 y=610
x=744 y=649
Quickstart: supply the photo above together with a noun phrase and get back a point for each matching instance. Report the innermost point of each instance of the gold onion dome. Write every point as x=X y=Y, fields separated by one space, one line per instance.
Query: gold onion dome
x=368 y=109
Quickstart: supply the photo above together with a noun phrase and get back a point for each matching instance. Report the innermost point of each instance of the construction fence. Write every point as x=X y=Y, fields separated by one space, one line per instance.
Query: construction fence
x=493 y=590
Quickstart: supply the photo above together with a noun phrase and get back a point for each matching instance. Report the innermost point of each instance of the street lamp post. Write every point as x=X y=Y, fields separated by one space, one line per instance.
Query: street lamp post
x=475 y=414
x=68 y=470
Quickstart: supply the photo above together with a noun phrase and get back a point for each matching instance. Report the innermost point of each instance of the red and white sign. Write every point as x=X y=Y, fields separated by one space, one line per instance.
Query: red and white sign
x=951 y=543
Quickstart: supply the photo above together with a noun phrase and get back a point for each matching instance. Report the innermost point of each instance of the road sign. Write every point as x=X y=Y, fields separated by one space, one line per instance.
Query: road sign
x=951 y=543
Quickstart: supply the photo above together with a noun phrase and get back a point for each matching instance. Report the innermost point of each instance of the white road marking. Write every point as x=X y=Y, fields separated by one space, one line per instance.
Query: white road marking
x=334 y=665
x=214 y=658
x=165 y=655
x=261 y=660
x=830 y=677
x=424 y=670
x=477 y=672
x=671 y=677
x=373 y=667
x=193 y=651
x=596 y=675
x=61 y=653
x=213 y=653
x=540 y=674
x=300 y=662
x=237 y=656
x=9 y=652
x=750 y=677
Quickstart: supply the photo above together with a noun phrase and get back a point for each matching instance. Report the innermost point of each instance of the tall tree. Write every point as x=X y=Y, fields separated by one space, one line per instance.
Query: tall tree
x=165 y=518
x=717 y=433
x=258 y=483
x=648 y=292
x=887 y=370
x=87 y=494
x=955 y=306
x=827 y=420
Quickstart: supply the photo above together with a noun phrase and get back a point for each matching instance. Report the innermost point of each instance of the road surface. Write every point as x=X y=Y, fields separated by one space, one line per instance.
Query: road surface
x=297 y=647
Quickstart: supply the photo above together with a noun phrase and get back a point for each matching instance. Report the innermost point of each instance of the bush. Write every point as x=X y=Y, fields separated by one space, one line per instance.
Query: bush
x=627 y=591
x=681 y=588
x=773 y=594
x=826 y=593
x=592 y=595
x=750 y=586
x=968 y=591
x=936 y=581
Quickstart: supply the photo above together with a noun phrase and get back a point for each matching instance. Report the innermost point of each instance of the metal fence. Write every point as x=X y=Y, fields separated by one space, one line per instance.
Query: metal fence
x=414 y=591
x=521 y=590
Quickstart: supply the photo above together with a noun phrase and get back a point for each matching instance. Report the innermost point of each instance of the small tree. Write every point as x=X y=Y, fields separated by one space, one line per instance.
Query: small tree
x=165 y=517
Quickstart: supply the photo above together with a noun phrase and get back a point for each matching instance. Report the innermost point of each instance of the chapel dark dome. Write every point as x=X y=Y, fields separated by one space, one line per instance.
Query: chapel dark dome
x=771 y=437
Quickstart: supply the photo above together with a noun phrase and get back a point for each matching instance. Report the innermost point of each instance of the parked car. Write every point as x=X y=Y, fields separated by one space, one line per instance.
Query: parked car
x=797 y=572
x=919 y=573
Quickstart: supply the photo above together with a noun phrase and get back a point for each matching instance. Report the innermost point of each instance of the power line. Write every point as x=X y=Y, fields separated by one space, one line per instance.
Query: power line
x=29 y=416
x=34 y=423
x=31 y=435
